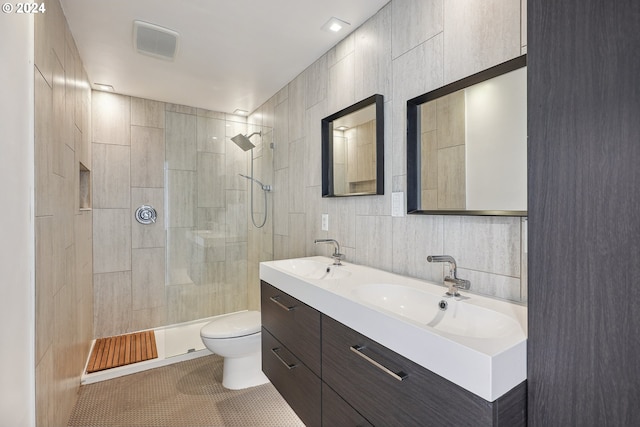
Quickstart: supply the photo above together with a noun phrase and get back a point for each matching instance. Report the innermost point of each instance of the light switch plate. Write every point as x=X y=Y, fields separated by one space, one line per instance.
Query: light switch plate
x=325 y=222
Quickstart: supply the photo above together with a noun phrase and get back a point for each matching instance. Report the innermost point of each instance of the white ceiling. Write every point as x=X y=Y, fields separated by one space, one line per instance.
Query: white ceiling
x=232 y=53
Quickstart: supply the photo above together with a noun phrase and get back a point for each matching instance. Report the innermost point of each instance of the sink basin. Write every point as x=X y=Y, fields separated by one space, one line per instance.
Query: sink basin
x=313 y=269
x=459 y=318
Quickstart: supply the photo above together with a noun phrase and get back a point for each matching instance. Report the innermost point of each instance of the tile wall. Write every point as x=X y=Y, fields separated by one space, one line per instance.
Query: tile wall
x=64 y=286
x=408 y=48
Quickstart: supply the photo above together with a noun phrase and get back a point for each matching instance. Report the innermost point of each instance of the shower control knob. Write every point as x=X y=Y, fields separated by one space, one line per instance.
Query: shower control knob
x=146 y=215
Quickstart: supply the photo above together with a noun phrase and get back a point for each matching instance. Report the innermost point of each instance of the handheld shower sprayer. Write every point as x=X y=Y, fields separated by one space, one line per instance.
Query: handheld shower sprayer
x=244 y=142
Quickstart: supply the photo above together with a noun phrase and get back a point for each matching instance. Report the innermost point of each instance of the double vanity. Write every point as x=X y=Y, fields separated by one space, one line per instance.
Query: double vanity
x=353 y=345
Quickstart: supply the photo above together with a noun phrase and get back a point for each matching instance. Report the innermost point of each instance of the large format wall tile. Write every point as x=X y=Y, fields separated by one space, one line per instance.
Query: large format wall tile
x=112 y=303
x=414 y=22
x=145 y=112
x=479 y=34
x=373 y=56
x=211 y=134
x=112 y=240
x=180 y=141
x=488 y=244
x=111 y=118
x=210 y=180
x=111 y=180
x=147 y=157
x=147 y=278
x=182 y=198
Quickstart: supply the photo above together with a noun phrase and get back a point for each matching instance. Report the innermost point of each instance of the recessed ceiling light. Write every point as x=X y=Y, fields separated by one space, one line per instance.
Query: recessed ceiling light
x=342 y=128
x=334 y=25
x=104 y=87
x=241 y=112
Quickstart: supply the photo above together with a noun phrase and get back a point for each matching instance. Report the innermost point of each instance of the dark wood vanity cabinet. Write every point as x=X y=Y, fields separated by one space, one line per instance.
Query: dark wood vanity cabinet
x=352 y=380
x=293 y=323
x=390 y=390
x=291 y=352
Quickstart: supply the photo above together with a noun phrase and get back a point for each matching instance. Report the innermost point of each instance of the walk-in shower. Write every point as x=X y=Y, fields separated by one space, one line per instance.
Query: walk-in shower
x=244 y=142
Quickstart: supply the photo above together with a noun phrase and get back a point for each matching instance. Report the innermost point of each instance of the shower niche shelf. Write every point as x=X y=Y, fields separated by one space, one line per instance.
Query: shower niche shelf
x=84 y=188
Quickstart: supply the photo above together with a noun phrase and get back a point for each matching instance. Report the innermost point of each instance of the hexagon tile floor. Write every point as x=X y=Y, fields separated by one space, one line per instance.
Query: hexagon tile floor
x=188 y=394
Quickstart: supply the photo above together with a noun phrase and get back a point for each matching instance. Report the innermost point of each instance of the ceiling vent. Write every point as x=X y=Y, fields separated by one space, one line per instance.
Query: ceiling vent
x=156 y=41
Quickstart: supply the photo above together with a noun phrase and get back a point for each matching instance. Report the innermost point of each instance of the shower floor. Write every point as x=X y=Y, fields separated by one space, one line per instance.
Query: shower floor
x=175 y=343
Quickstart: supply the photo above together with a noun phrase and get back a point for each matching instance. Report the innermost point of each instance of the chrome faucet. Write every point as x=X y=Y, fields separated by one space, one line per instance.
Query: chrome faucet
x=337 y=256
x=451 y=280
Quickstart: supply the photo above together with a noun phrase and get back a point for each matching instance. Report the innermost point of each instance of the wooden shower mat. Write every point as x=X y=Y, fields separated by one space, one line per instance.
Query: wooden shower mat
x=122 y=350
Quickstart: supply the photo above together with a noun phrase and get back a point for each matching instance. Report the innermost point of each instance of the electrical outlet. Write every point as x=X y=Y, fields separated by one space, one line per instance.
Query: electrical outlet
x=397 y=203
x=325 y=222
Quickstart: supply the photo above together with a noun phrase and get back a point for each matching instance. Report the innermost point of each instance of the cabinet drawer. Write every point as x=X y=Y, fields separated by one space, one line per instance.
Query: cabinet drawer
x=390 y=390
x=293 y=323
x=300 y=387
x=337 y=412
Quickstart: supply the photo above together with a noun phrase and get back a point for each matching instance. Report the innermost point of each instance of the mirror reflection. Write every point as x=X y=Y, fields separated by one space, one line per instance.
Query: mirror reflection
x=467 y=145
x=352 y=162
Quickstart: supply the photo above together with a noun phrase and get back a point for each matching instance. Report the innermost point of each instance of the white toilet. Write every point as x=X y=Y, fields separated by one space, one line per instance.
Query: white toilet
x=236 y=337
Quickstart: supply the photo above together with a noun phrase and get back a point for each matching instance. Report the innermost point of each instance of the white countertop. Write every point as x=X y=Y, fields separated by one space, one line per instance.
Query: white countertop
x=487 y=367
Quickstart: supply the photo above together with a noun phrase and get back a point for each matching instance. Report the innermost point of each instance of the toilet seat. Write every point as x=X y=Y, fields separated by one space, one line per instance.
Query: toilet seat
x=233 y=325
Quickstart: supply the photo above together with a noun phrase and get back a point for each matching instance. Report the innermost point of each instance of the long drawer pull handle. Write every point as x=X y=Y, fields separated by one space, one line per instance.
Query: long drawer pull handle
x=281 y=305
x=357 y=349
x=288 y=365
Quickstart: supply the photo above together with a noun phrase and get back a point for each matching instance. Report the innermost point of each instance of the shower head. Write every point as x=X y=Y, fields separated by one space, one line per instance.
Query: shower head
x=243 y=141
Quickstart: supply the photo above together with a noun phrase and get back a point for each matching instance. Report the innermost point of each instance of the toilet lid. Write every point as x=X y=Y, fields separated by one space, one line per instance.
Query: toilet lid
x=233 y=325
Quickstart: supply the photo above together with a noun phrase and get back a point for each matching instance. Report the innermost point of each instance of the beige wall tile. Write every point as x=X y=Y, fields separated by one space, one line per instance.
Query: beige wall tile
x=145 y=112
x=414 y=239
x=111 y=240
x=281 y=135
x=182 y=198
x=488 y=244
x=316 y=82
x=313 y=149
x=110 y=176
x=112 y=303
x=479 y=34
x=339 y=51
x=211 y=134
x=296 y=171
x=180 y=134
x=58 y=134
x=210 y=180
x=341 y=84
x=281 y=202
x=44 y=197
x=147 y=278
x=111 y=118
x=370 y=230
x=147 y=157
x=296 y=107
x=414 y=22
x=148 y=235
x=237 y=210
x=373 y=56
x=414 y=73
x=297 y=232
x=179 y=255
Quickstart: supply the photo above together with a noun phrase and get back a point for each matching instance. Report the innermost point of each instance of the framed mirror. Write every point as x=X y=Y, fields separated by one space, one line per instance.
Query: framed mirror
x=353 y=150
x=467 y=145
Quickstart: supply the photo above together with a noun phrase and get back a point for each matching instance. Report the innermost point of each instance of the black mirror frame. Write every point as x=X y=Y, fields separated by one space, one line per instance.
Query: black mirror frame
x=413 y=139
x=327 y=146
